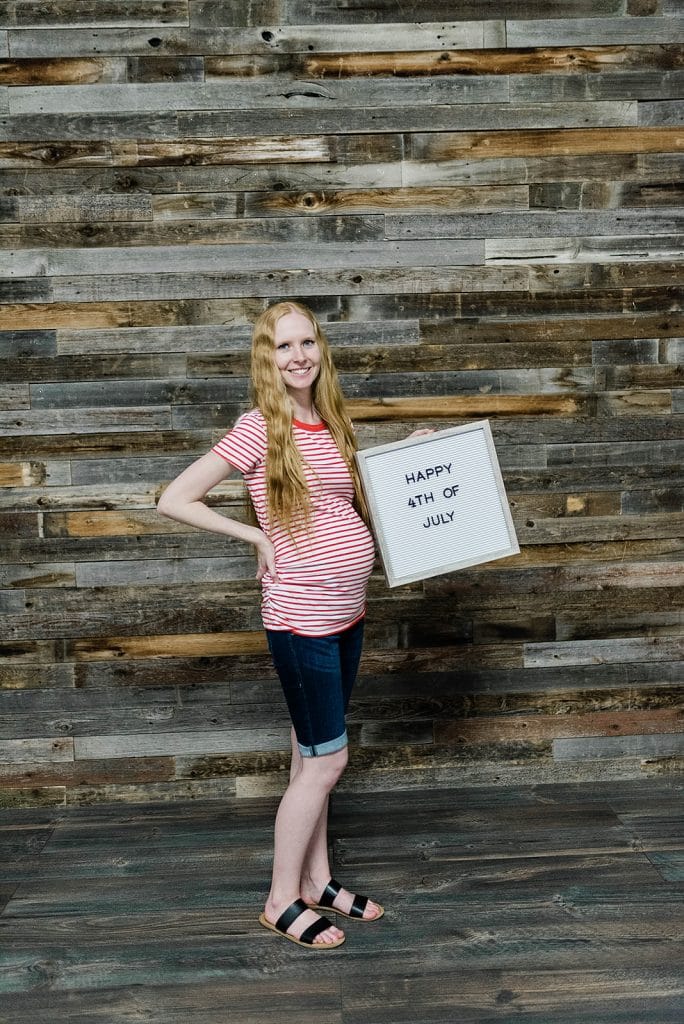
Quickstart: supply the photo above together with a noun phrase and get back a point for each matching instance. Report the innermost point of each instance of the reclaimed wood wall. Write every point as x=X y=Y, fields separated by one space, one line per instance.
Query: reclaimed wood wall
x=485 y=212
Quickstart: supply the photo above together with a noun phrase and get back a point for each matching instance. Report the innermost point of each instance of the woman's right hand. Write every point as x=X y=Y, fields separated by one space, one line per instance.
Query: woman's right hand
x=265 y=557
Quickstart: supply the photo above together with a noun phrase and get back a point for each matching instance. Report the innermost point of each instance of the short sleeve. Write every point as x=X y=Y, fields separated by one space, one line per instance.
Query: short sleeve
x=245 y=445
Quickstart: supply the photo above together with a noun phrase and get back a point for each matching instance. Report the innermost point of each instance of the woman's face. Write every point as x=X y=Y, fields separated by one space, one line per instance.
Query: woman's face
x=296 y=352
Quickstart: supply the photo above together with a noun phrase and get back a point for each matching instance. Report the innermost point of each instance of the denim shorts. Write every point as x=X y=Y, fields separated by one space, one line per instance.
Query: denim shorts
x=317 y=674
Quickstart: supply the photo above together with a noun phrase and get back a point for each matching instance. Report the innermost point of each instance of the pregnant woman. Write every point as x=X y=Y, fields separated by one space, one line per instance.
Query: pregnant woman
x=295 y=451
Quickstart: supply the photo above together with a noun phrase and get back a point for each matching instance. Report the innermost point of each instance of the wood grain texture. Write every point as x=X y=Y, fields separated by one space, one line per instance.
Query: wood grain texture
x=594 y=914
x=483 y=210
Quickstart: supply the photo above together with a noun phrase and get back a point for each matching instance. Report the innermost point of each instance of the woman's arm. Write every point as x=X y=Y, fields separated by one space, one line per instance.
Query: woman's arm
x=183 y=500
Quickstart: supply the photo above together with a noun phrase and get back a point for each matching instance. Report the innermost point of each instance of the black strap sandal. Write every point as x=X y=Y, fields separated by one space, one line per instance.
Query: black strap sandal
x=290 y=915
x=330 y=894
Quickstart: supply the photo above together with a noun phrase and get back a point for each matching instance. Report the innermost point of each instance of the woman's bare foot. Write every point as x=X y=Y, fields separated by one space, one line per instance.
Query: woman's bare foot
x=332 y=896
x=332 y=935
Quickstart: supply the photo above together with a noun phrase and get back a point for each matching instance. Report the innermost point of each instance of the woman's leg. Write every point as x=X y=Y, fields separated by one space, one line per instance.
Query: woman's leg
x=312 y=672
x=299 y=817
x=316 y=872
x=316 y=862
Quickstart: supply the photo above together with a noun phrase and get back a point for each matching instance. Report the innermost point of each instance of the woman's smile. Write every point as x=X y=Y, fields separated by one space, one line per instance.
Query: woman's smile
x=296 y=351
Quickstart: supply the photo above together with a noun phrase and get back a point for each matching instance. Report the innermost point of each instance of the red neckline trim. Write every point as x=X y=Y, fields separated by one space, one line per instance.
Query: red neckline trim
x=308 y=426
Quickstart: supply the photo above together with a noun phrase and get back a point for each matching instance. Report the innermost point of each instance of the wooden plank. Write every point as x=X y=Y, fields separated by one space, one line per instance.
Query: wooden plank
x=572 y=142
x=381 y=200
x=591 y=747
x=403 y=358
x=24 y=14
x=591 y=652
x=54 y=421
x=304 y=38
x=256 y=94
x=19 y=525
x=590 y=31
x=627 y=453
x=125 y=771
x=164 y=744
x=22 y=677
x=635 y=85
x=645 y=325
x=45 y=574
x=449 y=406
x=102 y=367
x=62 y=72
x=583 y=249
x=215 y=338
x=197 y=259
x=77 y=153
x=541 y=727
x=198 y=235
x=163 y=69
x=14 y=396
x=443 y=118
x=50 y=749
x=19 y=344
x=550 y=60
x=205 y=644
x=393 y=264
x=85 y=445
x=331 y=12
x=99 y=207
x=533 y=224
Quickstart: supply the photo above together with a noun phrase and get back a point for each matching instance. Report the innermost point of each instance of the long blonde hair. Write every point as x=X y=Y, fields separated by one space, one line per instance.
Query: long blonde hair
x=287 y=492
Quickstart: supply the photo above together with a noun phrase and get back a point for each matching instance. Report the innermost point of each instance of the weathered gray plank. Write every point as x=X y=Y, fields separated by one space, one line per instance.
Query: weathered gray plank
x=281 y=39
x=637 y=85
x=50 y=749
x=403 y=266
x=14 y=396
x=593 y=31
x=127 y=125
x=436 y=118
x=534 y=223
x=661 y=112
x=24 y=14
x=581 y=652
x=16 y=344
x=214 y=338
x=80 y=367
x=37 y=421
x=573 y=748
x=164 y=744
x=46 y=574
x=257 y=256
x=41 y=210
x=587 y=249
x=255 y=93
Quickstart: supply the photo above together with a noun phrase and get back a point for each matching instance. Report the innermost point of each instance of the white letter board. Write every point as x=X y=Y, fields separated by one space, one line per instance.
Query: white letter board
x=437 y=502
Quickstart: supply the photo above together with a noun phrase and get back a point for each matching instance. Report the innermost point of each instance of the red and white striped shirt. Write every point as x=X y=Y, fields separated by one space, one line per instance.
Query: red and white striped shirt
x=323 y=576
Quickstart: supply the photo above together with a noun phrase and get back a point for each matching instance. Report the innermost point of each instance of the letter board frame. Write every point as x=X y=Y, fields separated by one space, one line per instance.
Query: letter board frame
x=437 y=503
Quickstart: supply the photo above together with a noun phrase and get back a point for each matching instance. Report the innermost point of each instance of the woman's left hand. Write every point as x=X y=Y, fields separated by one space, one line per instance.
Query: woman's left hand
x=423 y=432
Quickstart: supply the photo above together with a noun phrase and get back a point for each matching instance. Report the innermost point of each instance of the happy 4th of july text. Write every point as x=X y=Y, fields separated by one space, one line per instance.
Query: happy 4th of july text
x=428 y=497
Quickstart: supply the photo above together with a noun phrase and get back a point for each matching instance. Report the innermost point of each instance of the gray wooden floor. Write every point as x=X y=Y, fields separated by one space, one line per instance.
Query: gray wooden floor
x=553 y=904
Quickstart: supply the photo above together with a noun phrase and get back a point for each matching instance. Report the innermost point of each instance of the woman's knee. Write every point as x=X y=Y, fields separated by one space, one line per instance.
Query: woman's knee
x=327 y=768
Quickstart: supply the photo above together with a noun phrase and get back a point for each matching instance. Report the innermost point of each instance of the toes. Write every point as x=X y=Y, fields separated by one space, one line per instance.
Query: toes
x=372 y=911
x=328 y=936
